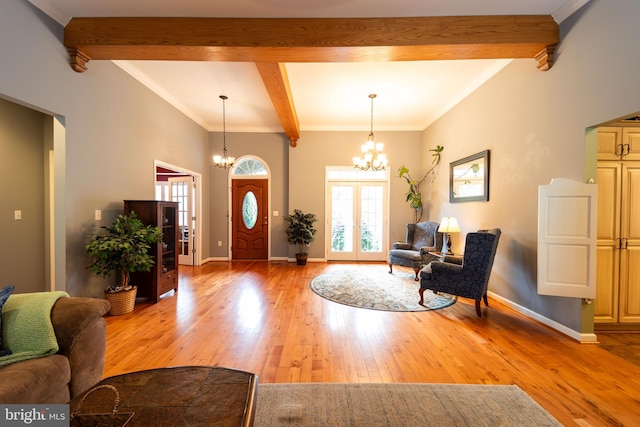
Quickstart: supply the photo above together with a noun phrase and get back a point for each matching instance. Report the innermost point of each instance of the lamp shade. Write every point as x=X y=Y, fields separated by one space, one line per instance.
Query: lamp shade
x=449 y=224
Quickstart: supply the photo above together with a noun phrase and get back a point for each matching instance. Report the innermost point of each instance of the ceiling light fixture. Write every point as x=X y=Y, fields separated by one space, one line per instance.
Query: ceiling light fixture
x=372 y=155
x=224 y=161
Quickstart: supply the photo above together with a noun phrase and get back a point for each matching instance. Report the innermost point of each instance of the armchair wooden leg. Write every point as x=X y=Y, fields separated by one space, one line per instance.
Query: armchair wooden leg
x=390 y=268
x=486 y=300
x=478 y=311
x=417 y=270
x=421 y=292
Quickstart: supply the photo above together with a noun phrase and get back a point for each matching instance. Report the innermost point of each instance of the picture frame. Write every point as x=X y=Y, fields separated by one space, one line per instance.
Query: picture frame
x=469 y=178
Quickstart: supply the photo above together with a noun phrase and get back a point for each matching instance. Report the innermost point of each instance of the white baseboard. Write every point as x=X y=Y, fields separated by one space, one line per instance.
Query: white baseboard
x=576 y=335
x=219 y=258
x=308 y=260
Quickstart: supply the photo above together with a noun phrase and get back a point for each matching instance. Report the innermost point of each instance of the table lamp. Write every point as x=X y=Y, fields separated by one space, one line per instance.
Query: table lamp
x=448 y=225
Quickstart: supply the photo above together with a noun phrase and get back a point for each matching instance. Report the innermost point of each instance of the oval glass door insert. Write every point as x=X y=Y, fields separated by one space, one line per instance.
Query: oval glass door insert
x=250 y=210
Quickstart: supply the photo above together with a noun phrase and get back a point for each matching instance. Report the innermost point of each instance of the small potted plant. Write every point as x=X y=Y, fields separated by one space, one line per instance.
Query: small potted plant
x=300 y=232
x=124 y=248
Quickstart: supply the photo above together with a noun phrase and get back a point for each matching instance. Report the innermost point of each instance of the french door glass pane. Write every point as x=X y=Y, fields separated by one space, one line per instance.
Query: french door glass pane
x=371 y=218
x=179 y=193
x=342 y=219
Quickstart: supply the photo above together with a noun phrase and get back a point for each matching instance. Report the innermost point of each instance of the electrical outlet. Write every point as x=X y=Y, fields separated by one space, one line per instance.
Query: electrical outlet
x=98 y=215
x=219 y=242
x=17 y=215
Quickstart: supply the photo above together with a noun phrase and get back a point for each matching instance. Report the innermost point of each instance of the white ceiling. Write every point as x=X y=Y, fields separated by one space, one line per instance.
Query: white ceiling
x=327 y=96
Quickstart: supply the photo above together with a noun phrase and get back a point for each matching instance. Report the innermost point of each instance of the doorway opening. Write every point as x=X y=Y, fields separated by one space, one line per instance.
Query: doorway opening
x=176 y=184
x=357 y=207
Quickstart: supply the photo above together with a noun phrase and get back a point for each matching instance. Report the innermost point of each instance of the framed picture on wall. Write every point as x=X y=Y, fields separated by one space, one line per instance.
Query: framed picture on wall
x=469 y=178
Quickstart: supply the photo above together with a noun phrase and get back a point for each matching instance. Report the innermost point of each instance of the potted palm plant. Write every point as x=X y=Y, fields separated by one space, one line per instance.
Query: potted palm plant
x=300 y=232
x=124 y=248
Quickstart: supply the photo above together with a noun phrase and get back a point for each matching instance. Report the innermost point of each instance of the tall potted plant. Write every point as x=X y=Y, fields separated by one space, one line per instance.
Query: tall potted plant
x=124 y=248
x=300 y=231
x=414 y=195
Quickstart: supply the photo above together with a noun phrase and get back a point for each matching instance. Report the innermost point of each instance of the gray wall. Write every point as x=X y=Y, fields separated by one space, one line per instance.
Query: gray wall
x=316 y=150
x=534 y=123
x=271 y=148
x=115 y=129
x=22 y=187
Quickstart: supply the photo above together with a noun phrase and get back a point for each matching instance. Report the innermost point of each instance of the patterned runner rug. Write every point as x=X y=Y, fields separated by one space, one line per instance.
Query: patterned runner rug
x=400 y=405
x=374 y=288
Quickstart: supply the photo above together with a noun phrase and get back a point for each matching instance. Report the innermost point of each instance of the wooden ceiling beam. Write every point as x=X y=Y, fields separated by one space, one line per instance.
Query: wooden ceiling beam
x=312 y=39
x=276 y=81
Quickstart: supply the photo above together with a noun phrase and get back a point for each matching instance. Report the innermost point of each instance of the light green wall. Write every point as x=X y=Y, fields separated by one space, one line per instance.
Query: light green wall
x=22 y=160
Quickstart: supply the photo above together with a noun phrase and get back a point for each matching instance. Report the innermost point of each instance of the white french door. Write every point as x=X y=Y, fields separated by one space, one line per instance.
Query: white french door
x=181 y=190
x=357 y=220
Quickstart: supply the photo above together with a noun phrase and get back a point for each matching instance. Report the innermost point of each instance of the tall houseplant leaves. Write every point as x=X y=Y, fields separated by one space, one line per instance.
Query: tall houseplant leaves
x=300 y=230
x=414 y=195
x=124 y=248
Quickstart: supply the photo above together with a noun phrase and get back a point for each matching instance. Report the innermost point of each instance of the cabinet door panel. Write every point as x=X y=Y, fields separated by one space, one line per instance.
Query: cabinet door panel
x=608 y=179
x=606 y=301
x=630 y=285
x=631 y=141
x=609 y=140
x=631 y=202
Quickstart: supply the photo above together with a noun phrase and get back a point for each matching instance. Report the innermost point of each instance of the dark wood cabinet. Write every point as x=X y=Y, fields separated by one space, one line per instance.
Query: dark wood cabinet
x=163 y=276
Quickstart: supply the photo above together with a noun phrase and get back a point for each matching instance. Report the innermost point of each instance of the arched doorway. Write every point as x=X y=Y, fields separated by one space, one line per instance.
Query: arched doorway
x=250 y=207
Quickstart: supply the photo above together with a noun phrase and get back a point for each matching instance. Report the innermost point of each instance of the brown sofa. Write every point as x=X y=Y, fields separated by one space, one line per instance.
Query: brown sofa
x=81 y=333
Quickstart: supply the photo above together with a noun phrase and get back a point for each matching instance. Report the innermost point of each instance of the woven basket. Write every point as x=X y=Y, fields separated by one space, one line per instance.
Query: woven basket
x=121 y=302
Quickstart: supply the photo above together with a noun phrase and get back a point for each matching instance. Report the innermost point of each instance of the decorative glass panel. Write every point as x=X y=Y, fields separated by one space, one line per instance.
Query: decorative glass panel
x=371 y=218
x=342 y=219
x=250 y=210
x=249 y=167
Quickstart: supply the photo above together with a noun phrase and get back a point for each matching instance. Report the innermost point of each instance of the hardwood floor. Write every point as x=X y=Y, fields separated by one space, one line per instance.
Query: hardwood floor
x=263 y=318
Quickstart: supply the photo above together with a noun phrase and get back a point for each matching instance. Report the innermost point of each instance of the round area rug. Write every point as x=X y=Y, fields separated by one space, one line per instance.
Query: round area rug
x=377 y=290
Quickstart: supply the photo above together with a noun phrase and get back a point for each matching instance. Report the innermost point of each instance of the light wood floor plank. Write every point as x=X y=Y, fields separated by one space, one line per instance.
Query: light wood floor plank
x=262 y=317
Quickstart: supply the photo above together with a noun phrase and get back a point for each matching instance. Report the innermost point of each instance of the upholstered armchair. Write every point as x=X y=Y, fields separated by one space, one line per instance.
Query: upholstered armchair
x=421 y=238
x=467 y=277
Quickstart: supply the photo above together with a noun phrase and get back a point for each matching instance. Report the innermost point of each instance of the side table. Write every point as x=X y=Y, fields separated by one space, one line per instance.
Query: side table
x=442 y=255
x=179 y=396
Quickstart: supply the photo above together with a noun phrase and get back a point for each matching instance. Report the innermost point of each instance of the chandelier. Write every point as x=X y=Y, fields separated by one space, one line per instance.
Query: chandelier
x=372 y=155
x=224 y=161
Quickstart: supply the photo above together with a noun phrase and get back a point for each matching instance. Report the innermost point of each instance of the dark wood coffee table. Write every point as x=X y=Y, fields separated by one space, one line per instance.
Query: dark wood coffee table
x=179 y=396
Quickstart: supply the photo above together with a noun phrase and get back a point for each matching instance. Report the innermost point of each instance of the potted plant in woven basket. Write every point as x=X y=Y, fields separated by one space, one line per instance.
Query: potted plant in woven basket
x=124 y=248
x=300 y=232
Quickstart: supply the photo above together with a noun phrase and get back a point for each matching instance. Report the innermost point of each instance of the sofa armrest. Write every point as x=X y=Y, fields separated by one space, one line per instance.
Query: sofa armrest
x=81 y=332
x=427 y=249
x=401 y=245
x=453 y=259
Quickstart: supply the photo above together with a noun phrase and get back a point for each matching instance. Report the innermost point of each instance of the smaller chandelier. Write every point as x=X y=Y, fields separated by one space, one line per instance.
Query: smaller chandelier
x=224 y=161
x=372 y=155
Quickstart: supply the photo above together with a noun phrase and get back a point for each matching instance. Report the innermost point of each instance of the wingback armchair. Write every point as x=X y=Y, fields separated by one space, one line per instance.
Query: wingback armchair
x=421 y=239
x=467 y=277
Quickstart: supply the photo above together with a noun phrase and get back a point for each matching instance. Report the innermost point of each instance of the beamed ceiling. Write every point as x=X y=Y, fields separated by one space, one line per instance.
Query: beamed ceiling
x=393 y=55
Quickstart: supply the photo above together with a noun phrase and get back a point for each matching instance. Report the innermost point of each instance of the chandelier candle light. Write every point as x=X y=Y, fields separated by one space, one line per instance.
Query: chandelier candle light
x=224 y=161
x=448 y=225
x=372 y=155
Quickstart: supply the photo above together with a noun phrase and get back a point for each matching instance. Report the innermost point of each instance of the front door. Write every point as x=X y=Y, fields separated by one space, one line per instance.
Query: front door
x=249 y=219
